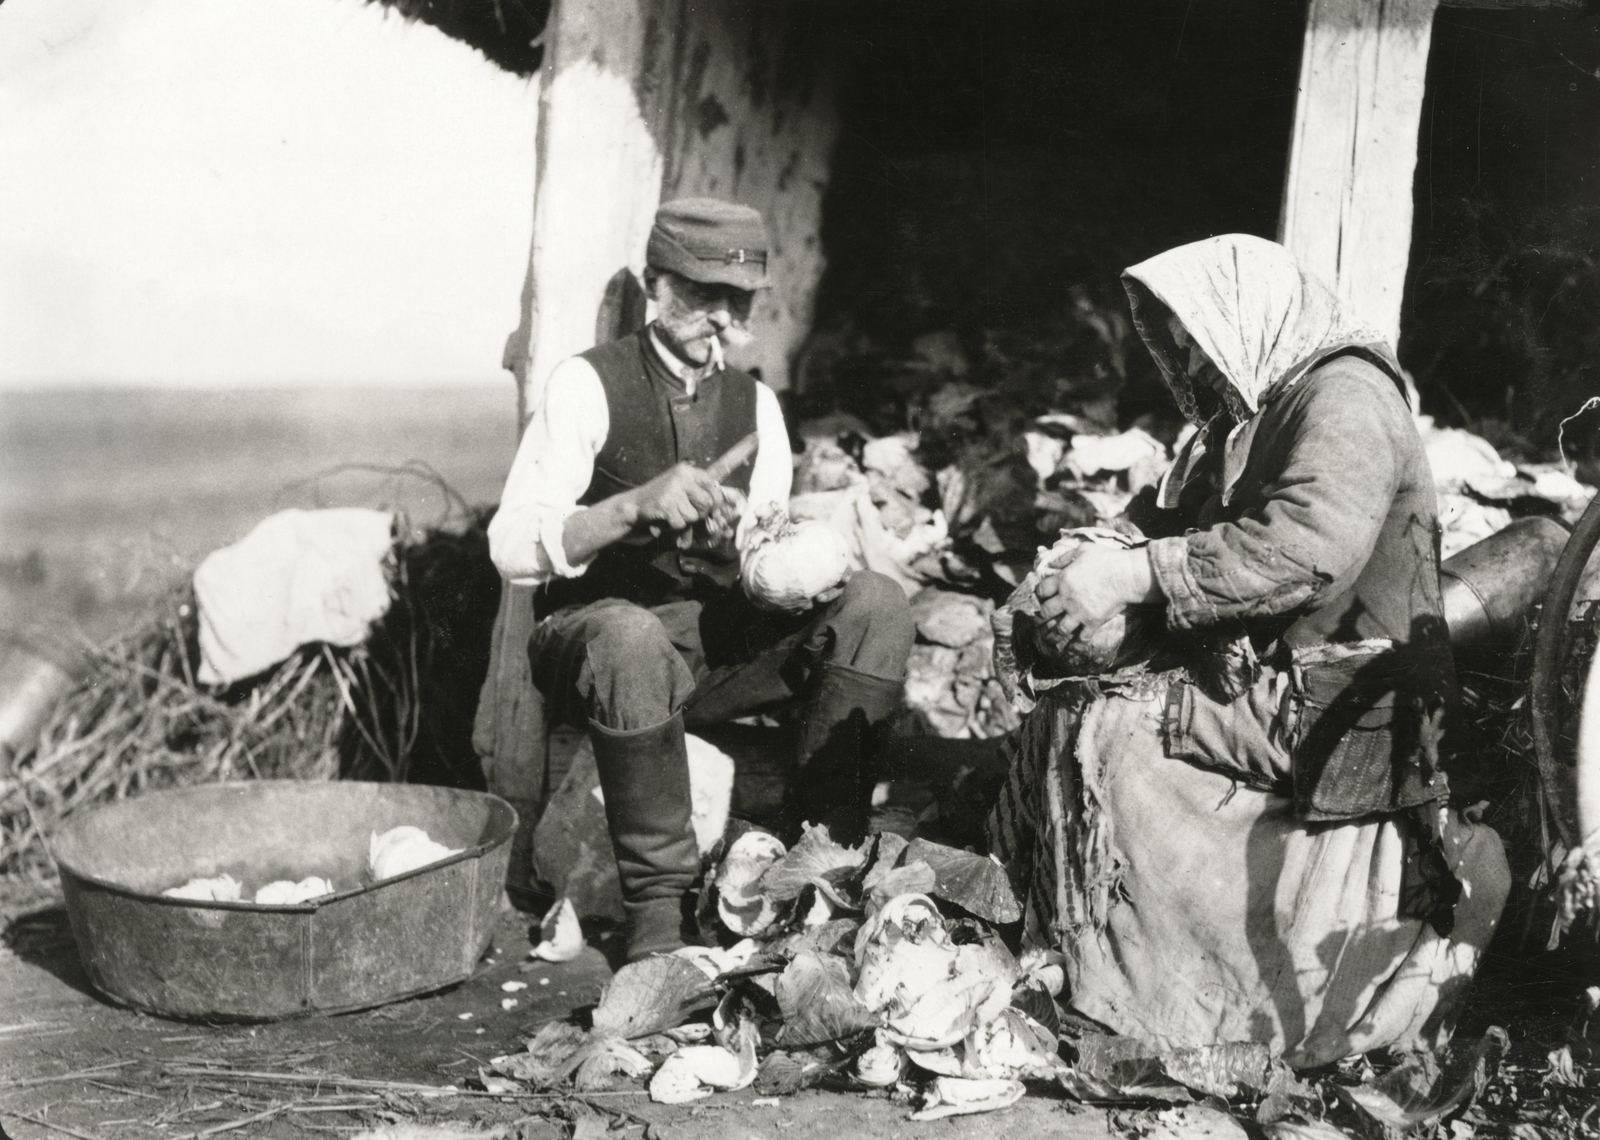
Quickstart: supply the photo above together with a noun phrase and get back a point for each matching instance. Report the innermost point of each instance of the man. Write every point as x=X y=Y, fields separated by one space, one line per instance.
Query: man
x=645 y=628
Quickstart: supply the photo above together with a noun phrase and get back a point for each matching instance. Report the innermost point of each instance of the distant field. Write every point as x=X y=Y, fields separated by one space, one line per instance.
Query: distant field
x=107 y=497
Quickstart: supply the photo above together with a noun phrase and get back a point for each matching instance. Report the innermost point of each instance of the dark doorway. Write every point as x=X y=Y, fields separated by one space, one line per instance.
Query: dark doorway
x=999 y=160
x=1499 y=320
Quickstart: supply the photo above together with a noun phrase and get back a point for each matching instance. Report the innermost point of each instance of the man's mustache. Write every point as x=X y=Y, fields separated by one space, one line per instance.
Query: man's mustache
x=733 y=336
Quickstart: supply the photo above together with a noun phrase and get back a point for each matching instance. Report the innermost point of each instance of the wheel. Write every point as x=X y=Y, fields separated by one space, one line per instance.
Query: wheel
x=1548 y=651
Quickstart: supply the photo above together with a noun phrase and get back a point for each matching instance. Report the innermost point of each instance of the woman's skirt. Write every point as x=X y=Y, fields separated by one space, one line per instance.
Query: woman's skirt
x=1194 y=910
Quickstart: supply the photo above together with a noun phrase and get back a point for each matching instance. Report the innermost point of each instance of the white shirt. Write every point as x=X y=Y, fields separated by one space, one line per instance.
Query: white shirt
x=555 y=463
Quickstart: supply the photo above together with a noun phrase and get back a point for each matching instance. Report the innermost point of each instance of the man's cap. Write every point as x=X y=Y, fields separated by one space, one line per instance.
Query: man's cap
x=707 y=239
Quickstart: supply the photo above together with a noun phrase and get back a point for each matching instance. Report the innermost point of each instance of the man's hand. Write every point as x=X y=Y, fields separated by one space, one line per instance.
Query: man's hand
x=723 y=523
x=1095 y=587
x=832 y=593
x=677 y=498
x=719 y=530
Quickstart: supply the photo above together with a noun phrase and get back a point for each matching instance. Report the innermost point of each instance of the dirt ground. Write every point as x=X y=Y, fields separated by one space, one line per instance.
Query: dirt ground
x=74 y=1064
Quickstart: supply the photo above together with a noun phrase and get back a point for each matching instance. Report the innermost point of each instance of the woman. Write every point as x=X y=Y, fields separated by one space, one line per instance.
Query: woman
x=1263 y=852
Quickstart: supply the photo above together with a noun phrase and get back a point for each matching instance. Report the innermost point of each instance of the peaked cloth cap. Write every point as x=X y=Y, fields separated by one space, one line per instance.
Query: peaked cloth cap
x=709 y=240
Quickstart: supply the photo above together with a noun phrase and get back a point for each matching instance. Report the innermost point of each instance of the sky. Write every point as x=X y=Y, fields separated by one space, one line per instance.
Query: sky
x=247 y=193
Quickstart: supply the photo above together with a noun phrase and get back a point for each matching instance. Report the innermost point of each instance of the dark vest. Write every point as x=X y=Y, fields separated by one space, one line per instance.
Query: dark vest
x=654 y=424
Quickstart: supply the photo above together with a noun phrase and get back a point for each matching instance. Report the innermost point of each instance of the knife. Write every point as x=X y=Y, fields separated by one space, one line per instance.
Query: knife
x=719 y=469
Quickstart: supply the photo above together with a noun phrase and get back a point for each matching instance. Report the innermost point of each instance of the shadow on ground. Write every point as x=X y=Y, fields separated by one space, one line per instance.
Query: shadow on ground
x=43 y=938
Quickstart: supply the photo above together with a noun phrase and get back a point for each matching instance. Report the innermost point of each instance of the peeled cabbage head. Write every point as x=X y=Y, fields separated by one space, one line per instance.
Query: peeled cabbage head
x=402 y=849
x=880 y=1066
x=285 y=893
x=786 y=565
x=741 y=905
x=223 y=888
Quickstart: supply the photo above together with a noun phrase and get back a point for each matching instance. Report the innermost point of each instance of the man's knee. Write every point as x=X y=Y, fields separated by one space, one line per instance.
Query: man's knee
x=625 y=633
x=879 y=602
x=873 y=625
x=873 y=591
x=619 y=665
x=626 y=646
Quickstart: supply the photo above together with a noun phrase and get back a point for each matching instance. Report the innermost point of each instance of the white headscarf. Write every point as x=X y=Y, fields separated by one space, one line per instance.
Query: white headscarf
x=1262 y=320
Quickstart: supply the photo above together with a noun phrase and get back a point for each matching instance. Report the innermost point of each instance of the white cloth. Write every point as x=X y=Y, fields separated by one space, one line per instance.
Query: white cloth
x=299 y=577
x=555 y=462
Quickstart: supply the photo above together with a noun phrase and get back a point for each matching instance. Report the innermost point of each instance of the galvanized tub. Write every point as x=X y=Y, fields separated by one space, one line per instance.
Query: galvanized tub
x=368 y=944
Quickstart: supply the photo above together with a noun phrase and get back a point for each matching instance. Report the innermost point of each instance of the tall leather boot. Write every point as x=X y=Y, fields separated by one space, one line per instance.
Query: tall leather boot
x=831 y=781
x=644 y=775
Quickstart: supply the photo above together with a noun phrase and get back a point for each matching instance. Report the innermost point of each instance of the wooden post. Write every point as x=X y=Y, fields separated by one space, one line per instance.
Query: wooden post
x=1347 y=200
x=642 y=102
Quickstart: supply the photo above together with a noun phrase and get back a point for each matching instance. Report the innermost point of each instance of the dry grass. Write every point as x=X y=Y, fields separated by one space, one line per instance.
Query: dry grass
x=200 y=1098
x=139 y=722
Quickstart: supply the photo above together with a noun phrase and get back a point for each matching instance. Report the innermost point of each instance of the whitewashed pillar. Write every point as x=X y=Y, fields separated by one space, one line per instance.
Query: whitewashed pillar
x=598 y=179
x=1347 y=198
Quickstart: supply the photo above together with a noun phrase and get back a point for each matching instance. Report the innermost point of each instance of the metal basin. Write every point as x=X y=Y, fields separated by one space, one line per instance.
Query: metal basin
x=366 y=945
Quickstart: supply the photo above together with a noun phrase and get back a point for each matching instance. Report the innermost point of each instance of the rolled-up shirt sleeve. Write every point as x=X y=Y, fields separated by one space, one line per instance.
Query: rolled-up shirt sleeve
x=773 y=473
x=1318 y=523
x=553 y=466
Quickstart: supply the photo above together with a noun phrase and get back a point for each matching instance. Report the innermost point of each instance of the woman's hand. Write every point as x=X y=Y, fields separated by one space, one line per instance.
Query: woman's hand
x=1095 y=587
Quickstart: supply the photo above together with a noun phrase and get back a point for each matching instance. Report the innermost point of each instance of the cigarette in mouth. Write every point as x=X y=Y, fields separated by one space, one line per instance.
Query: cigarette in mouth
x=716 y=352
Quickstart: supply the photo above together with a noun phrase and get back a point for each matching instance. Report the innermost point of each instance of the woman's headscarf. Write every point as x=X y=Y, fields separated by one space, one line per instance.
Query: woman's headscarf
x=1262 y=320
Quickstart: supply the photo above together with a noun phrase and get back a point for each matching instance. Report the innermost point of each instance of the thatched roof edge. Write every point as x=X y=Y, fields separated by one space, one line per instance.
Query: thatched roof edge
x=509 y=33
